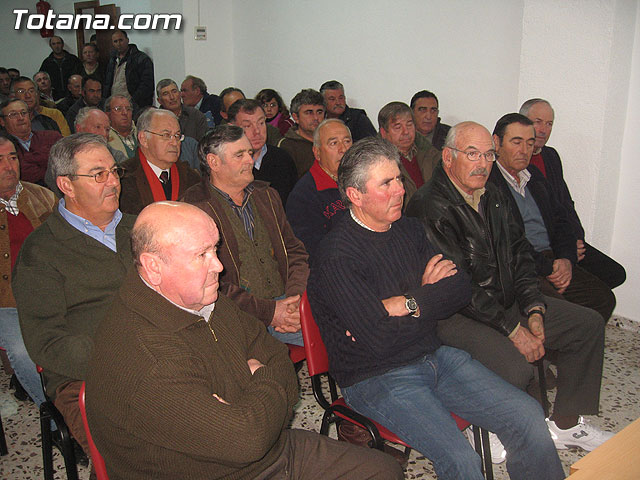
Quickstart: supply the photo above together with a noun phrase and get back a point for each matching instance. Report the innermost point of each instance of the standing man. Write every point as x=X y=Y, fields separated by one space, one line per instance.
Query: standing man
x=129 y=72
x=266 y=266
x=315 y=204
x=23 y=207
x=544 y=220
x=60 y=65
x=355 y=119
x=193 y=123
x=396 y=125
x=270 y=164
x=33 y=146
x=176 y=361
x=547 y=160
x=377 y=290
x=123 y=135
x=69 y=268
x=429 y=127
x=194 y=94
x=508 y=323
x=91 y=97
x=307 y=110
x=154 y=172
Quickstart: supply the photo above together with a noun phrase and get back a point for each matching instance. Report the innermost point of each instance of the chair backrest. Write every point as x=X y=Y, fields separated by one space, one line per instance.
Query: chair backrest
x=96 y=458
x=317 y=359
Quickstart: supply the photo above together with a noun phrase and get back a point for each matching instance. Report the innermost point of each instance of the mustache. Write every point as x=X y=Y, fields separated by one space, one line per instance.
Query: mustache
x=479 y=171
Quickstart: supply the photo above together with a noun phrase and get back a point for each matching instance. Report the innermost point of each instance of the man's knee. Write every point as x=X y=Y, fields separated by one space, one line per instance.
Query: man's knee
x=465 y=463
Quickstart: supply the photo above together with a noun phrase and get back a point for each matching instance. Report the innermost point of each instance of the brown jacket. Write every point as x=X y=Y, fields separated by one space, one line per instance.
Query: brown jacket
x=288 y=251
x=36 y=203
x=136 y=191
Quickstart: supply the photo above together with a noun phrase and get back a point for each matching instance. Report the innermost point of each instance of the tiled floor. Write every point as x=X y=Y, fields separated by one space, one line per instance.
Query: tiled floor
x=619 y=406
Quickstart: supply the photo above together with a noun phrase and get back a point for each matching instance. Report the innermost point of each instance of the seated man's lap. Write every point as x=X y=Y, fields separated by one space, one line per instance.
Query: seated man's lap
x=66 y=402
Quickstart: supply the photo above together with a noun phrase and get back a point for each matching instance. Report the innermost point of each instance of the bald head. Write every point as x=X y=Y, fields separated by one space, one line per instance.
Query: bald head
x=93 y=120
x=174 y=246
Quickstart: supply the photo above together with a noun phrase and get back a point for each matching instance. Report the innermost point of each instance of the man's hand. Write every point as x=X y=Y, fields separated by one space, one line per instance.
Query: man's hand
x=396 y=306
x=528 y=345
x=536 y=326
x=438 y=268
x=286 y=318
x=254 y=365
x=581 y=249
x=220 y=399
x=561 y=275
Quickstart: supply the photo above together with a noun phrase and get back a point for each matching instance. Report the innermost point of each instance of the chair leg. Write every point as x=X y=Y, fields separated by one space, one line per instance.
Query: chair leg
x=3 y=441
x=326 y=421
x=486 y=447
x=47 y=444
x=542 y=380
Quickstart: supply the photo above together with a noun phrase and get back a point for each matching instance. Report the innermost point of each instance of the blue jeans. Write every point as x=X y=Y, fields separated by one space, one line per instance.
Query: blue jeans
x=292 y=338
x=414 y=402
x=11 y=340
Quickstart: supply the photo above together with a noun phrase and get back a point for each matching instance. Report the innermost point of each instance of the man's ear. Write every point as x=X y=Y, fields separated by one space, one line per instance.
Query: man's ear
x=65 y=185
x=213 y=161
x=295 y=117
x=447 y=156
x=496 y=141
x=383 y=133
x=142 y=138
x=316 y=152
x=354 y=195
x=150 y=265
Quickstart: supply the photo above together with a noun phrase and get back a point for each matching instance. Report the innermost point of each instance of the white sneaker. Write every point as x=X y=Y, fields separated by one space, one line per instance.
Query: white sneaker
x=498 y=453
x=582 y=435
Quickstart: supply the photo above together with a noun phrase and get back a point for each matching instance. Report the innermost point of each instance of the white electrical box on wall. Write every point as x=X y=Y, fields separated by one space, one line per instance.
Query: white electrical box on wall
x=200 y=33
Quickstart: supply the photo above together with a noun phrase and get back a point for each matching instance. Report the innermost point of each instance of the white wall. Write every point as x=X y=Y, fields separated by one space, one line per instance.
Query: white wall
x=626 y=231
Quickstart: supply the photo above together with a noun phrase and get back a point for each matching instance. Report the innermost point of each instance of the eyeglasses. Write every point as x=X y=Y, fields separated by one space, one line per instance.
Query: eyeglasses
x=22 y=91
x=476 y=155
x=16 y=115
x=122 y=109
x=178 y=137
x=269 y=105
x=101 y=176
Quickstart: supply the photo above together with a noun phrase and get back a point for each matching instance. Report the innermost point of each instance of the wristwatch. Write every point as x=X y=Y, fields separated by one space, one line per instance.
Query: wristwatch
x=411 y=305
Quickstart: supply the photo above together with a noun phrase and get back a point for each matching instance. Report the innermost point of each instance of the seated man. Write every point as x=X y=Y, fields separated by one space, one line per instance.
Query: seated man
x=193 y=123
x=265 y=264
x=194 y=94
x=547 y=160
x=307 y=110
x=43 y=81
x=355 y=119
x=396 y=125
x=544 y=220
x=123 y=135
x=169 y=398
x=74 y=92
x=155 y=173
x=429 y=128
x=377 y=289
x=33 y=146
x=508 y=323
x=24 y=206
x=270 y=164
x=42 y=118
x=69 y=268
x=91 y=97
x=315 y=204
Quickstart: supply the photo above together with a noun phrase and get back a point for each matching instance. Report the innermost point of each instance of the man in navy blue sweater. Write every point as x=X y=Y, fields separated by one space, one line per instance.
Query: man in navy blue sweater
x=377 y=290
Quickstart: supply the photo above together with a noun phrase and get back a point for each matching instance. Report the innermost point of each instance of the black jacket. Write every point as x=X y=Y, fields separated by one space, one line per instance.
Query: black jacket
x=211 y=103
x=358 y=122
x=490 y=247
x=138 y=73
x=278 y=169
x=554 y=216
x=60 y=73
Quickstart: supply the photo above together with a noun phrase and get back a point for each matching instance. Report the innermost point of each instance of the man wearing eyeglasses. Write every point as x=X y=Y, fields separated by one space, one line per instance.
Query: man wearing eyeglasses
x=509 y=322
x=123 y=135
x=69 y=268
x=193 y=122
x=42 y=118
x=155 y=173
x=33 y=146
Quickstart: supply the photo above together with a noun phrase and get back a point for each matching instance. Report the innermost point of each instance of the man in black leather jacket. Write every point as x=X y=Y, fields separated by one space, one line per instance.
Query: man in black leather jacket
x=509 y=323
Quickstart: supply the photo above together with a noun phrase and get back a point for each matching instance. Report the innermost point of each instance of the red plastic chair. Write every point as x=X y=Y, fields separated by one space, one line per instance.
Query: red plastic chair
x=96 y=458
x=318 y=365
x=297 y=355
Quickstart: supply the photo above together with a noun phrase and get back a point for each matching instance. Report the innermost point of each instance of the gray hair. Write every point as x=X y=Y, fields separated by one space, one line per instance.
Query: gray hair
x=450 y=140
x=62 y=155
x=38 y=73
x=358 y=160
x=165 y=82
x=214 y=142
x=107 y=103
x=144 y=120
x=316 y=133
x=83 y=114
x=391 y=111
x=308 y=96
x=9 y=101
x=331 y=85
x=198 y=83
x=143 y=240
x=526 y=106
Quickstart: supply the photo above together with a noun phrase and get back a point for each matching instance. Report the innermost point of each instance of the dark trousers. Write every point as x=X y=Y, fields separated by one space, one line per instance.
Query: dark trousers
x=309 y=456
x=573 y=334
x=605 y=268
x=585 y=289
x=67 y=403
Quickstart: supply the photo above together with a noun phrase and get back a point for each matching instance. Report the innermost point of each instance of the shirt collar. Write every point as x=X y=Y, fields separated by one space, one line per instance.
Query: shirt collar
x=205 y=312
x=523 y=175
x=322 y=180
x=248 y=190
x=258 y=161
x=106 y=237
x=472 y=200
x=12 y=203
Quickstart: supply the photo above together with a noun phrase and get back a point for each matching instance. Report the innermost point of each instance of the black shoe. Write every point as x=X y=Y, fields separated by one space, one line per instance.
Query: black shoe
x=20 y=393
x=81 y=457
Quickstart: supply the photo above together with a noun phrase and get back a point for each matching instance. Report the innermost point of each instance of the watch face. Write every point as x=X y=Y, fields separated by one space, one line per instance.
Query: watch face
x=411 y=305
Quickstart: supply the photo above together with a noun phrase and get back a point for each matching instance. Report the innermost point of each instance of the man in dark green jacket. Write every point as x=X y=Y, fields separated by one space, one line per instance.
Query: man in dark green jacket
x=69 y=268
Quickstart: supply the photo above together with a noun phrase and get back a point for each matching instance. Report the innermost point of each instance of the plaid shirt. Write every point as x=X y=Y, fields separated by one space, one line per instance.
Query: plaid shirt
x=244 y=211
x=12 y=203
